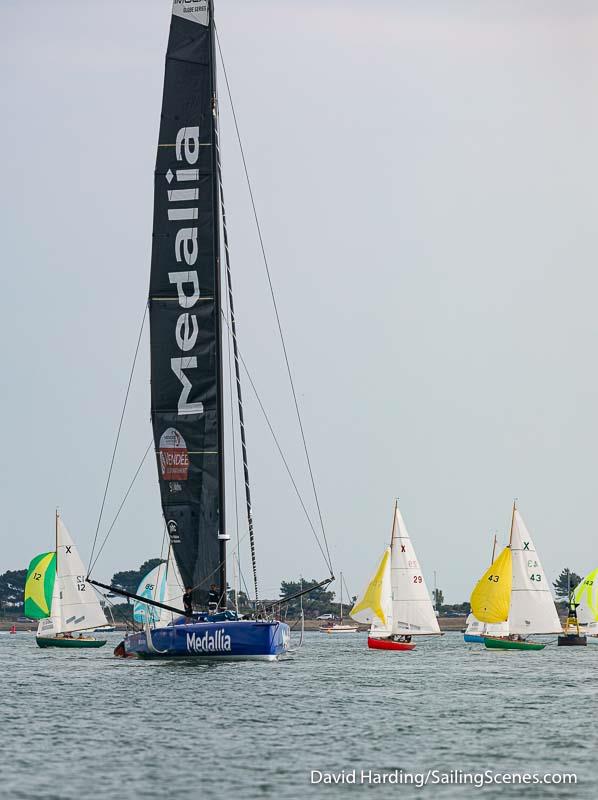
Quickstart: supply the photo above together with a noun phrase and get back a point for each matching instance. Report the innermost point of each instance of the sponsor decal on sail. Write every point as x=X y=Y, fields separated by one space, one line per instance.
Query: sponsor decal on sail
x=194 y=10
x=173 y=531
x=174 y=456
x=219 y=641
x=183 y=210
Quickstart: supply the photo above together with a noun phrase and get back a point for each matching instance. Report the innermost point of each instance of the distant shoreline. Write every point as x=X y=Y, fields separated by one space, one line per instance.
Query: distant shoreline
x=446 y=624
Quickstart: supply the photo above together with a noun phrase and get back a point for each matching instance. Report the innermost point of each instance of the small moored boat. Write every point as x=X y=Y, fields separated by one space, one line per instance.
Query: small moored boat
x=340 y=627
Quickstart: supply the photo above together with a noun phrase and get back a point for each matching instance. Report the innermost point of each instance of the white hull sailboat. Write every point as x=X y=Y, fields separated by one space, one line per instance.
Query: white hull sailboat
x=340 y=627
x=396 y=602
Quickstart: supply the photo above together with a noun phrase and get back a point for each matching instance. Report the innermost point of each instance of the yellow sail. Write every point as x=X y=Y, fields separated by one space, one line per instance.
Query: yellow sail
x=491 y=598
x=371 y=603
x=586 y=597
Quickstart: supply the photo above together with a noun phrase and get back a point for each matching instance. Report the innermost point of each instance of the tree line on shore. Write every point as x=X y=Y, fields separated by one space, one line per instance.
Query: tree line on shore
x=321 y=600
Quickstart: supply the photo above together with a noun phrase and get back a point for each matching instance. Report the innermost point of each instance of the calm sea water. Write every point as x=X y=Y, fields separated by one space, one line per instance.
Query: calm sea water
x=80 y=724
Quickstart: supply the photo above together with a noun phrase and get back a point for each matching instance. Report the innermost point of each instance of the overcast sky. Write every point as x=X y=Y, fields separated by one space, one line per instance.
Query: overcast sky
x=425 y=175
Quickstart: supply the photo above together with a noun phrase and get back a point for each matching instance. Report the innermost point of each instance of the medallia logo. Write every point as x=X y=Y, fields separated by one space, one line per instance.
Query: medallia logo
x=216 y=642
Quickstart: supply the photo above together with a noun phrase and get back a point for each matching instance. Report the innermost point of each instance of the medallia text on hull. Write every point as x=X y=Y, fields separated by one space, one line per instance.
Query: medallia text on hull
x=230 y=639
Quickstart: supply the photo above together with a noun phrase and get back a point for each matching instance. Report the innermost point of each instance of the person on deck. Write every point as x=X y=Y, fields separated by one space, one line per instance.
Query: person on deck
x=188 y=605
x=213 y=599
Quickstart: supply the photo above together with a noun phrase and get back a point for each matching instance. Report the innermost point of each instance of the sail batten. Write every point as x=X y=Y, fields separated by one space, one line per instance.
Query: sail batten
x=184 y=303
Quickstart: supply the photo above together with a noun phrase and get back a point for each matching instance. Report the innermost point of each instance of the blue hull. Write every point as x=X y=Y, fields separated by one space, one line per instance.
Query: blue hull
x=222 y=640
x=472 y=637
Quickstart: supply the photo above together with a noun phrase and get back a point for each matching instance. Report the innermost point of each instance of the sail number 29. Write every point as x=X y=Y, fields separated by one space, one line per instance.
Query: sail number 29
x=417 y=579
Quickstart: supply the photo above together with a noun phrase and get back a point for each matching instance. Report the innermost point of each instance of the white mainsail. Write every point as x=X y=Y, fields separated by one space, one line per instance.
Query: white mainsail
x=80 y=608
x=164 y=585
x=412 y=609
x=477 y=628
x=532 y=606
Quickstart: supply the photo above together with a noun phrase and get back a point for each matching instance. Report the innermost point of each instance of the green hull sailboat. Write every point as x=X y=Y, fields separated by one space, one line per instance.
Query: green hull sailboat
x=515 y=594
x=500 y=643
x=56 y=641
x=57 y=594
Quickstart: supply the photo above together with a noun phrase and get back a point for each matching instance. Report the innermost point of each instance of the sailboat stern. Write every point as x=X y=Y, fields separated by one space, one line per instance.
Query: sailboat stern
x=231 y=640
x=388 y=644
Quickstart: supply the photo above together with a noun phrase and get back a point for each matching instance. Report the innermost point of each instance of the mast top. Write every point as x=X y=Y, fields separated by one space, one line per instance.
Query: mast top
x=512 y=521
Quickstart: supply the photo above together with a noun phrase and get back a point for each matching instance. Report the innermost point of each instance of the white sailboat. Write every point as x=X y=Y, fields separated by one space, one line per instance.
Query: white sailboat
x=396 y=602
x=163 y=584
x=74 y=605
x=531 y=609
x=340 y=627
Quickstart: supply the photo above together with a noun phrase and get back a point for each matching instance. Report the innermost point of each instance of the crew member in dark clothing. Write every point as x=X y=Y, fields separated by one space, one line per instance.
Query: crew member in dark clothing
x=213 y=599
x=188 y=604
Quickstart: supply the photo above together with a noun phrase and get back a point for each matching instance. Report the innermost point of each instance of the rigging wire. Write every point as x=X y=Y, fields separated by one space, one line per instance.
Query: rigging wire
x=120 y=424
x=284 y=461
x=232 y=330
x=273 y=296
x=232 y=416
x=124 y=500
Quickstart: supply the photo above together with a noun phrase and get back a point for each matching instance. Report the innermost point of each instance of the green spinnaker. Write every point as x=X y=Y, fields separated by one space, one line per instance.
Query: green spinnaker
x=39 y=586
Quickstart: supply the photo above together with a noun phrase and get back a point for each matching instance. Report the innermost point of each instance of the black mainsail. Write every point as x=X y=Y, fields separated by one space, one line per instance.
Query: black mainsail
x=184 y=304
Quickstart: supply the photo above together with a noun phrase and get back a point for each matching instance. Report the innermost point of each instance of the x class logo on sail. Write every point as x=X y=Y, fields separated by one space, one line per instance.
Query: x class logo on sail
x=183 y=210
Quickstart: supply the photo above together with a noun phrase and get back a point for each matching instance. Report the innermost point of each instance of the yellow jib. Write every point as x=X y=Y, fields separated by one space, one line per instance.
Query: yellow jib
x=588 y=591
x=372 y=597
x=491 y=598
